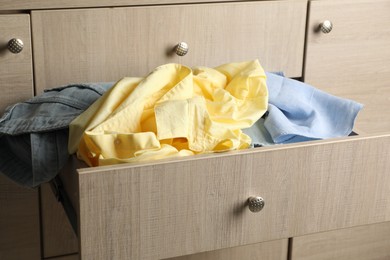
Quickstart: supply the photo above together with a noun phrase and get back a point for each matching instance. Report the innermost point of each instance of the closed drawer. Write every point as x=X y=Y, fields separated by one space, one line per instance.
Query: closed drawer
x=16 y=81
x=66 y=257
x=353 y=60
x=170 y=208
x=361 y=243
x=19 y=222
x=108 y=44
x=275 y=250
x=19 y=207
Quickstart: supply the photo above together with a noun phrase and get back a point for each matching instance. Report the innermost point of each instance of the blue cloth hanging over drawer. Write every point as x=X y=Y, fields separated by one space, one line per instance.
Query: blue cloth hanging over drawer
x=299 y=112
x=34 y=133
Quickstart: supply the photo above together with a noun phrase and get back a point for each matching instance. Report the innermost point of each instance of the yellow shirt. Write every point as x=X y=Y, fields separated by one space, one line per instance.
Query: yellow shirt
x=174 y=111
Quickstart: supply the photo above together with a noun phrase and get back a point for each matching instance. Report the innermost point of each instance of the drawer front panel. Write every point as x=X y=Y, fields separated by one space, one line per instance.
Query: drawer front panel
x=353 y=60
x=19 y=211
x=19 y=222
x=67 y=257
x=52 y=4
x=108 y=44
x=16 y=81
x=369 y=242
x=274 y=250
x=173 y=208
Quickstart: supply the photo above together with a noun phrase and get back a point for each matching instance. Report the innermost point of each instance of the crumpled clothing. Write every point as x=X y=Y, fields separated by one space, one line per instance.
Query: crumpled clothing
x=174 y=111
x=299 y=112
x=34 y=133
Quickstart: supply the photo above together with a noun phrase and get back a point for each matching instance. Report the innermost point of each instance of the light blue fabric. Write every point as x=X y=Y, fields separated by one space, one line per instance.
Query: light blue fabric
x=299 y=112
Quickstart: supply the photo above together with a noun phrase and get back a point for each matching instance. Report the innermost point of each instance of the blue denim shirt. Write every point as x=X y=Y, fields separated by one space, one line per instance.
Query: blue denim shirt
x=34 y=133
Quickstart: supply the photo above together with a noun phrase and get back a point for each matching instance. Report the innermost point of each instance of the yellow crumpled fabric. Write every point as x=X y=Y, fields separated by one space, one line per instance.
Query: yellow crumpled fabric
x=174 y=111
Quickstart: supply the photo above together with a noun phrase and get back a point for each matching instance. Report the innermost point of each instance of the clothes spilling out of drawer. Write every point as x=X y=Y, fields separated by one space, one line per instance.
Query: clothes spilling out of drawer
x=174 y=111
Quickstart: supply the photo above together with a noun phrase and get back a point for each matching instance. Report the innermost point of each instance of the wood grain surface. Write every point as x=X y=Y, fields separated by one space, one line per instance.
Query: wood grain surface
x=180 y=207
x=53 y=4
x=353 y=60
x=93 y=45
x=19 y=222
x=370 y=242
x=16 y=78
x=273 y=250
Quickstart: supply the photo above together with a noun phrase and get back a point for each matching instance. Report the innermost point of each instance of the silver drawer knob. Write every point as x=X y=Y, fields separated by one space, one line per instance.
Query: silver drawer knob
x=15 y=45
x=326 y=26
x=256 y=204
x=181 y=49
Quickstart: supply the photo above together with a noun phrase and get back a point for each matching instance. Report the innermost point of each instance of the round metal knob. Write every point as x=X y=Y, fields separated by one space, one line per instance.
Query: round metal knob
x=181 y=49
x=326 y=26
x=256 y=204
x=15 y=45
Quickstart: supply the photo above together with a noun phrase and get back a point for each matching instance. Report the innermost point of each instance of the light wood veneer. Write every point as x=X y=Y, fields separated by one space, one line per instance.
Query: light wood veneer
x=165 y=209
x=194 y=205
x=19 y=222
x=353 y=59
x=16 y=83
x=54 y=4
x=370 y=242
x=93 y=45
x=273 y=250
x=19 y=211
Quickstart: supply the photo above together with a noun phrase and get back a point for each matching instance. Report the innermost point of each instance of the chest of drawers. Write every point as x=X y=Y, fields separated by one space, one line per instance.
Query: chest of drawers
x=170 y=208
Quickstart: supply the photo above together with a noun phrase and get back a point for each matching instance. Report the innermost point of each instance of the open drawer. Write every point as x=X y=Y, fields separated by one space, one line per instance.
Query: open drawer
x=176 y=207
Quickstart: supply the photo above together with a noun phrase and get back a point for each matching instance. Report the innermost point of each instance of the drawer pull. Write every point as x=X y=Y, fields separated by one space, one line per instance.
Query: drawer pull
x=256 y=204
x=181 y=49
x=15 y=45
x=326 y=26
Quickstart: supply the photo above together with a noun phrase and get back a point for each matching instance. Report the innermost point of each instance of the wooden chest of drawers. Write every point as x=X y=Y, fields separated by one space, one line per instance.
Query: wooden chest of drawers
x=196 y=205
